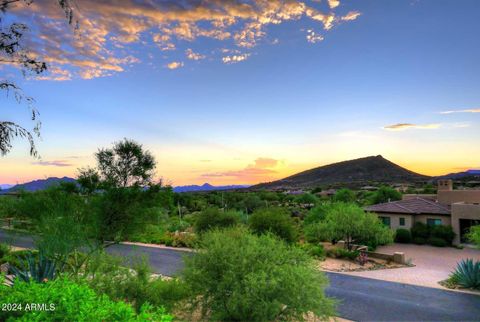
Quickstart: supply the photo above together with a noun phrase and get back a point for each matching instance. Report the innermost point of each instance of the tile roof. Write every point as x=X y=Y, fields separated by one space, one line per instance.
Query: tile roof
x=411 y=206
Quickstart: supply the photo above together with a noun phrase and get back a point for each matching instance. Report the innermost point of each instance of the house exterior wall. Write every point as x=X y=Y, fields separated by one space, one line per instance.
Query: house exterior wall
x=463 y=211
x=448 y=197
x=446 y=220
x=395 y=220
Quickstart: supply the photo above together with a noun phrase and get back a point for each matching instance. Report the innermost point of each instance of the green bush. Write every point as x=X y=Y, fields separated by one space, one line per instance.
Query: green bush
x=437 y=242
x=403 y=236
x=316 y=214
x=317 y=251
x=239 y=276
x=274 y=220
x=443 y=232
x=215 y=218
x=4 y=250
x=419 y=240
x=66 y=300
x=474 y=235
x=421 y=230
x=467 y=274
x=343 y=253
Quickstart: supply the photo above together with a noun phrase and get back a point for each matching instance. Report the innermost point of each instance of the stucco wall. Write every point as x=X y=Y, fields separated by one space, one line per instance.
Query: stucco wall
x=446 y=220
x=395 y=220
x=450 y=197
x=463 y=211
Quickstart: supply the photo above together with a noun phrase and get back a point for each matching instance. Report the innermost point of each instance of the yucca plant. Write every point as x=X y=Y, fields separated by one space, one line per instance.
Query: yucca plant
x=32 y=270
x=467 y=274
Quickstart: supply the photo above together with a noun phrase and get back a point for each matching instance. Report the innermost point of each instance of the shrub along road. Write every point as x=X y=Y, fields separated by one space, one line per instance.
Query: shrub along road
x=361 y=299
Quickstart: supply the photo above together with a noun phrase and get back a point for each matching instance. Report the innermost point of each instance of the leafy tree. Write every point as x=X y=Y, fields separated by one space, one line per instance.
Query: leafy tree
x=474 y=235
x=429 y=189
x=14 y=52
x=89 y=180
x=215 y=218
x=306 y=198
x=125 y=164
x=344 y=195
x=385 y=194
x=316 y=214
x=239 y=276
x=350 y=223
x=273 y=220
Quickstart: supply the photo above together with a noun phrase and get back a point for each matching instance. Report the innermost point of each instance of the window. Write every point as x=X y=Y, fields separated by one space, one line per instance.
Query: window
x=385 y=220
x=402 y=221
x=433 y=222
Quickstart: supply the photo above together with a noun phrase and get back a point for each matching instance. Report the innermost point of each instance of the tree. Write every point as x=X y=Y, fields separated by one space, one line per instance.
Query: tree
x=89 y=180
x=215 y=218
x=273 y=220
x=385 y=194
x=125 y=164
x=14 y=52
x=474 y=235
x=352 y=224
x=238 y=276
x=344 y=195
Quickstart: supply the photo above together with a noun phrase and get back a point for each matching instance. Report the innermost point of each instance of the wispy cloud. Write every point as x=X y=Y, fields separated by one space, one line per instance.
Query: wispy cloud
x=313 y=37
x=409 y=126
x=175 y=65
x=110 y=28
x=235 y=58
x=261 y=168
x=193 y=55
x=352 y=15
x=472 y=110
x=55 y=163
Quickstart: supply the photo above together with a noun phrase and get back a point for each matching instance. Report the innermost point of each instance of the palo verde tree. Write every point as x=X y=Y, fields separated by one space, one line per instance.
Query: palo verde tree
x=14 y=52
x=126 y=164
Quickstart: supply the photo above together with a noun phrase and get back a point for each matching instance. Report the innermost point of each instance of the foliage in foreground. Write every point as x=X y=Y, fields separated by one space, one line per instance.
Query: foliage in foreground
x=467 y=274
x=71 y=302
x=474 y=235
x=238 y=276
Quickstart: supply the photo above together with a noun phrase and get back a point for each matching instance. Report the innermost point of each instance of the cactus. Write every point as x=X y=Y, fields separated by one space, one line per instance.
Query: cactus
x=39 y=271
x=467 y=274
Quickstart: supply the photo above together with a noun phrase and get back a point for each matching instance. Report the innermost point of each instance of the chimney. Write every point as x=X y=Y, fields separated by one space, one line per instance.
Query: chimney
x=445 y=185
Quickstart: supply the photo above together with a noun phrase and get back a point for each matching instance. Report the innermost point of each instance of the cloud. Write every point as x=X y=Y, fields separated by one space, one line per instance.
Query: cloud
x=174 y=65
x=473 y=110
x=111 y=31
x=408 y=126
x=313 y=37
x=193 y=56
x=55 y=163
x=352 y=15
x=261 y=168
x=235 y=58
x=333 y=3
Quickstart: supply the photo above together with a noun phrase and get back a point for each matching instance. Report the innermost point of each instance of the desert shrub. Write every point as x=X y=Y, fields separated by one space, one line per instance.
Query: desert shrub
x=274 y=220
x=474 y=235
x=443 y=232
x=71 y=301
x=343 y=253
x=467 y=274
x=403 y=236
x=215 y=218
x=4 y=250
x=306 y=198
x=183 y=240
x=239 y=276
x=177 y=224
x=438 y=242
x=316 y=214
x=345 y=195
x=151 y=234
x=419 y=240
x=317 y=251
x=421 y=230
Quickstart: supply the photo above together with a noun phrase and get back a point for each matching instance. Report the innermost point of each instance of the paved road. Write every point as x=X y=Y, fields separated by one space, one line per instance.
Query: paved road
x=361 y=299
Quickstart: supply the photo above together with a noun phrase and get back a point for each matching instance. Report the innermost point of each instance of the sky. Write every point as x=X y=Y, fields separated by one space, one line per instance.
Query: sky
x=241 y=92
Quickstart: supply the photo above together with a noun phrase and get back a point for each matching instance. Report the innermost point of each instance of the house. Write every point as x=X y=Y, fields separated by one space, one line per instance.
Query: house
x=457 y=208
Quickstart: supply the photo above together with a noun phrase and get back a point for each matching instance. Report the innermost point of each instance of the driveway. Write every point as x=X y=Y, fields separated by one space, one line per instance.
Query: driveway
x=432 y=264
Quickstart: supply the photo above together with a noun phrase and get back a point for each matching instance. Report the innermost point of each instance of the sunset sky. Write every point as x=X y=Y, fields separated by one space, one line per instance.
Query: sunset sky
x=245 y=91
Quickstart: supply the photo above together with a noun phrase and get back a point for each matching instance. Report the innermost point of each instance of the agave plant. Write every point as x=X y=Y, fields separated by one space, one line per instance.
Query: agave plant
x=39 y=271
x=467 y=274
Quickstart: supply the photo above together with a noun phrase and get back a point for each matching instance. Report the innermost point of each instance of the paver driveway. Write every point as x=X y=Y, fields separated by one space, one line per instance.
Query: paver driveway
x=432 y=264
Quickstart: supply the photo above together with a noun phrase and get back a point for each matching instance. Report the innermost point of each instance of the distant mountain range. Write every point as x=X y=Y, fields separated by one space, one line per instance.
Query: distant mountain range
x=207 y=187
x=473 y=174
x=37 y=184
x=352 y=173
x=45 y=183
